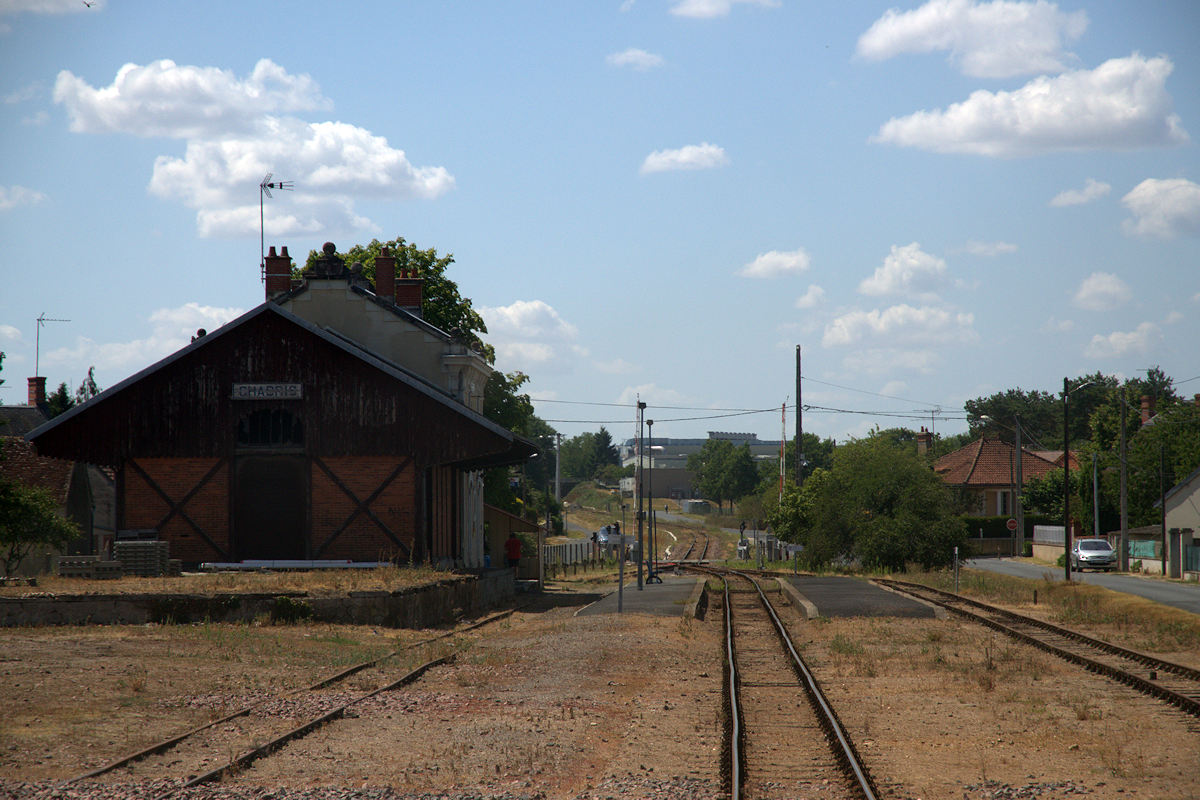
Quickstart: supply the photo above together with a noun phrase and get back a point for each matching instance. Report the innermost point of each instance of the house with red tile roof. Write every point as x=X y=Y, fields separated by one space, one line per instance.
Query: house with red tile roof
x=986 y=470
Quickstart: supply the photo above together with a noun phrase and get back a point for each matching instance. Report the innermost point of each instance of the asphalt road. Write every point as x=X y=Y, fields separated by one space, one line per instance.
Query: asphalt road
x=1170 y=593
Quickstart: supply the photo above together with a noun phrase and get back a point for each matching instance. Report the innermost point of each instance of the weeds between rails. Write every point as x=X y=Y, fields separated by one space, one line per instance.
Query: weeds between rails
x=246 y=758
x=1174 y=683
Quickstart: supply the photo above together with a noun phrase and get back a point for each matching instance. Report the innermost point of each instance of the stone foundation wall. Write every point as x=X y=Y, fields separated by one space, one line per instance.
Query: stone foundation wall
x=419 y=607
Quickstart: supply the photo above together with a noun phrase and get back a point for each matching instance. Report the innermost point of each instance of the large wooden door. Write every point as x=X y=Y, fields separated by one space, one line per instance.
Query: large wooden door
x=270 y=507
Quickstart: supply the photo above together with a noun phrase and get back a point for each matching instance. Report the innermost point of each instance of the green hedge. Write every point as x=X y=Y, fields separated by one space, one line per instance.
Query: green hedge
x=997 y=527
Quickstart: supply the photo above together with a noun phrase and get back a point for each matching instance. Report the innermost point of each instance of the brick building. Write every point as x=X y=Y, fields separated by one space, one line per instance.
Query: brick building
x=280 y=437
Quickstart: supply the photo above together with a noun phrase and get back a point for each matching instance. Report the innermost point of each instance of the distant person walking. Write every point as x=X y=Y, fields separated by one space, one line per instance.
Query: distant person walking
x=512 y=550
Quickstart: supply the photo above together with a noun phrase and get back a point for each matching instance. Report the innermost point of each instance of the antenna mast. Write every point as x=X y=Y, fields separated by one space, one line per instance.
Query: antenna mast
x=37 y=347
x=264 y=188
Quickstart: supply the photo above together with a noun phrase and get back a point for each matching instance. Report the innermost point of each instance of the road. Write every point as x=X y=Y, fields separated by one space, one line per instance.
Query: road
x=1185 y=596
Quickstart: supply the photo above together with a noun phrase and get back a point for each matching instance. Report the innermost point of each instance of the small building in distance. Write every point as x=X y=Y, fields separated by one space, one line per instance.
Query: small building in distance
x=985 y=471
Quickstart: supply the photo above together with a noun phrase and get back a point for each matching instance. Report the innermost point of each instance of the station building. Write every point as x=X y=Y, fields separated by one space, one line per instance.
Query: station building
x=331 y=422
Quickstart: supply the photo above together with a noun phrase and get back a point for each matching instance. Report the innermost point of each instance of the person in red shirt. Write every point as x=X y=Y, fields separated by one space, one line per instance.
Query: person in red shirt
x=512 y=550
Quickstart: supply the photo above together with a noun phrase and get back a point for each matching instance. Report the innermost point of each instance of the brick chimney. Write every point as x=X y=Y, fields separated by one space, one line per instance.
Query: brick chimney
x=37 y=391
x=385 y=276
x=409 y=291
x=278 y=270
x=1147 y=408
x=924 y=440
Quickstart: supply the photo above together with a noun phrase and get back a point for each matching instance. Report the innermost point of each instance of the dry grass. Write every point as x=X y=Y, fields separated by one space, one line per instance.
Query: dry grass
x=315 y=582
x=1121 y=618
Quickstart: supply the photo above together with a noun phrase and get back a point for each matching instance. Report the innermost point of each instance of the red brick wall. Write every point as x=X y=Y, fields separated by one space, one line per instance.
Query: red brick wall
x=208 y=508
x=362 y=540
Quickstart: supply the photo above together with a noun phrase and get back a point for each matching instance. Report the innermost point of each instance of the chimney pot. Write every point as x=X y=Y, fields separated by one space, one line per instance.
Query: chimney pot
x=278 y=272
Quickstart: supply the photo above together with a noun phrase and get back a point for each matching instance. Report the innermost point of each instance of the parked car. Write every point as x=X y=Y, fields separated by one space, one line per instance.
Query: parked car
x=1093 y=554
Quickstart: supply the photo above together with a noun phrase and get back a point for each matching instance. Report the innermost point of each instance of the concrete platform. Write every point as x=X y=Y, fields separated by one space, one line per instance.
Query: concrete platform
x=669 y=598
x=852 y=597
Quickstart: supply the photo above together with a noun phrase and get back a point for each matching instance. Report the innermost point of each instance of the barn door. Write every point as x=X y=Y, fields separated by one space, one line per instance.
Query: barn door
x=270 y=507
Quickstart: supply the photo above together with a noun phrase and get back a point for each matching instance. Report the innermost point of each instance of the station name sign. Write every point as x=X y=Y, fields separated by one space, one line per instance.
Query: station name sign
x=267 y=391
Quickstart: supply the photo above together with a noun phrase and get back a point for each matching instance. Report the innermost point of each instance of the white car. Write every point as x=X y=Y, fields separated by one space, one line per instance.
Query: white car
x=1093 y=554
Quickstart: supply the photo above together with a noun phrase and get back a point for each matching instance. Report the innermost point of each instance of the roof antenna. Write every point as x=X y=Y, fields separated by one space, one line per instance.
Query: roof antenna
x=265 y=187
x=37 y=348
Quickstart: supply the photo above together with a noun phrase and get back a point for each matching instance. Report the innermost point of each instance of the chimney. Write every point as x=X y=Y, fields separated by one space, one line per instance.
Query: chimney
x=408 y=291
x=1147 y=408
x=924 y=439
x=37 y=391
x=385 y=276
x=278 y=270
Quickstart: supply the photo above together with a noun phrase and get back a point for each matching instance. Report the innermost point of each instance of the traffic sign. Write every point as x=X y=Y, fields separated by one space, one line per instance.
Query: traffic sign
x=1011 y=524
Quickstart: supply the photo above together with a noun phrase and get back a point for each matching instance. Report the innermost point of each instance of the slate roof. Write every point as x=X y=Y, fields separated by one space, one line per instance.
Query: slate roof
x=21 y=419
x=989 y=462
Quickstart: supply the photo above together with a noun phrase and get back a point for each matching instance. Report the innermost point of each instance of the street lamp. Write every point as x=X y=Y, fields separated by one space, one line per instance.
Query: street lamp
x=1067 y=477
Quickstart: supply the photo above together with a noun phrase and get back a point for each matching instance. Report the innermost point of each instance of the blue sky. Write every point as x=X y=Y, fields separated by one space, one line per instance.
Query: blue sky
x=654 y=198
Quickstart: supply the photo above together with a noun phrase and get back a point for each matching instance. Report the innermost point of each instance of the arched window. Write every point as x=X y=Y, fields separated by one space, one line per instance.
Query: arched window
x=270 y=427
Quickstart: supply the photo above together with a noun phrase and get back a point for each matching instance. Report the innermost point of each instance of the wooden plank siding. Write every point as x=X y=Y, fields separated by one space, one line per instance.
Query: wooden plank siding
x=372 y=439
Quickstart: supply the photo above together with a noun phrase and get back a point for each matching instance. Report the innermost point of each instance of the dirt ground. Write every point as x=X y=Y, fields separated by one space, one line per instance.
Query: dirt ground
x=552 y=705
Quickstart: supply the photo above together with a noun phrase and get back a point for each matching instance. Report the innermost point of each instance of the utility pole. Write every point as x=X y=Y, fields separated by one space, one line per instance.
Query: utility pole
x=1020 y=508
x=799 y=426
x=1124 y=562
x=558 y=468
x=641 y=408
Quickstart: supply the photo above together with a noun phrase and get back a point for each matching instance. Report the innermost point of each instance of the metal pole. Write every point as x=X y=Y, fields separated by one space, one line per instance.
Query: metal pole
x=1066 y=485
x=641 y=407
x=1124 y=562
x=1020 y=508
x=1095 y=499
x=650 y=496
x=799 y=426
x=558 y=470
x=1162 y=494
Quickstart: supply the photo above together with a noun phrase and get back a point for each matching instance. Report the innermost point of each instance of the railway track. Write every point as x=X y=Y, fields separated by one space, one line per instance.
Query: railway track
x=1173 y=683
x=208 y=752
x=783 y=737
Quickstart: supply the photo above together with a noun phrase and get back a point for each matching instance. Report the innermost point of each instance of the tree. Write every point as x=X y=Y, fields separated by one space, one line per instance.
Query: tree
x=441 y=304
x=504 y=404
x=29 y=519
x=59 y=401
x=879 y=503
x=578 y=456
x=1040 y=414
x=605 y=451
x=723 y=472
x=88 y=388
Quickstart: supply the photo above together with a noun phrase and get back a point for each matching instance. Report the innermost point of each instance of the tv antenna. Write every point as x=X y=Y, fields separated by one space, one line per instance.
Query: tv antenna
x=264 y=188
x=37 y=347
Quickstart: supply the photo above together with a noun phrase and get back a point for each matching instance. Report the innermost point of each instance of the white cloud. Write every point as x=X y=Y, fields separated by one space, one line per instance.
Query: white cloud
x=1173 y=317
x=1123 y=343
x=692 y=156
x=171 y=329
x=27 y=92
x=1102 y=291
x=9 y=333
x=13 y=196
x=709 y=9
x=652 y=395
x=990 y=249
x=1092 y=190
x=618 y=366
x=36 y=118
x=882 y=361
x=1121 y=104
x=185 y=102
x=812 y=298
x=9 y=7
x=985 y=40
x=1163 y=208
x=1055 y=325
x=529 y=335
x=775 y=263
x=907 y=270
x=899 y=326
x=234 y=138
x=636 y=59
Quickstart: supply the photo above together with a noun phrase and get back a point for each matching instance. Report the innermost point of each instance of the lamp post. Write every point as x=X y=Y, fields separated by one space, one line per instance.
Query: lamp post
x=641 y=408
x=1067 y=477
x=650 y=498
